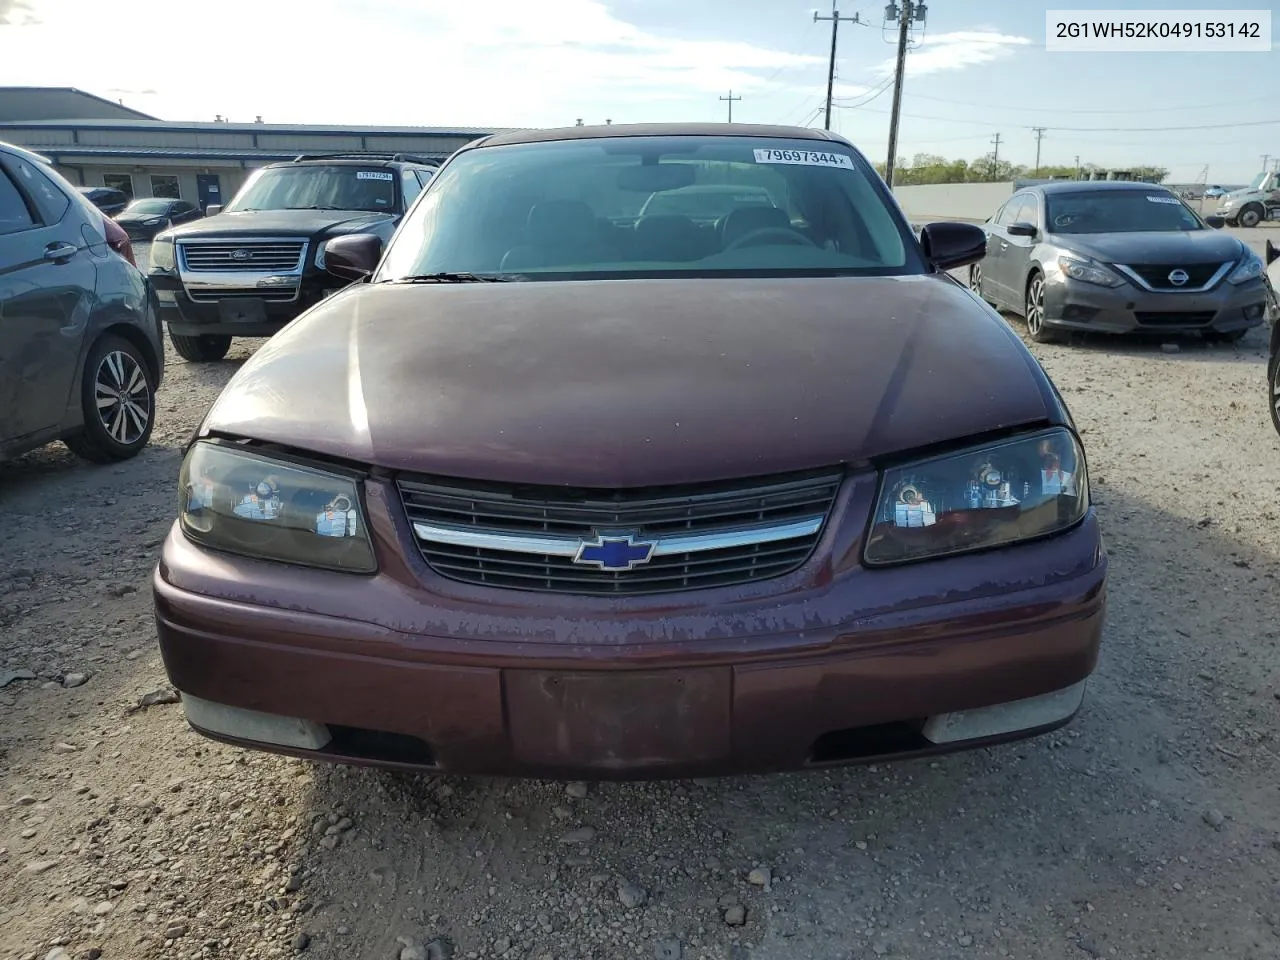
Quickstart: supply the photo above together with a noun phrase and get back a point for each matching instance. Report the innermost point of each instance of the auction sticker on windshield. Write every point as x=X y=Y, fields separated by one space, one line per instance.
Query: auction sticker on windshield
x=1173 y=200
x=811 y=158
x=374 y=175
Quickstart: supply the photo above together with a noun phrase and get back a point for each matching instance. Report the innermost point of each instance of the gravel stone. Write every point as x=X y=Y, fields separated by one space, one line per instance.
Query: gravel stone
x=577 y=790
x=735 y=915
x=581 y=835
x=631 y=896
x=760 y=877
x=74 y=680
x=1215 y=818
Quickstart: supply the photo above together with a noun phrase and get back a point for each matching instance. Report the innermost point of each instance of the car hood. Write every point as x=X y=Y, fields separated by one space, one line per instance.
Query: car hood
x=1175 y=246
x=632 y=383
x=266 y=222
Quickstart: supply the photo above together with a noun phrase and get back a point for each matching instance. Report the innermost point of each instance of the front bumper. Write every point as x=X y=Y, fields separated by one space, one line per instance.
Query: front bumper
x=436 y=675
x=238 y=316
x=1074 y=305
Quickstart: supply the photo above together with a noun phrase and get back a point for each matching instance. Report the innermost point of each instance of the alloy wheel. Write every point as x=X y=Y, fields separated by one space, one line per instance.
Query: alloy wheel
x=975 y=279
x=1035 y=305
x=123 y=397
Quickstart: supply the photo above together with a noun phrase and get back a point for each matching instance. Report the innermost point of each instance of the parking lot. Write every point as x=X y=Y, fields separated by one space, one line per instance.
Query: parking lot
x=1150 y=827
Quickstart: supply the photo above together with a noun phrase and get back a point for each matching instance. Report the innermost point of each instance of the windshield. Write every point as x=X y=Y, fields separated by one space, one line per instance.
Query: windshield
x=314 y=187
x=625 y=207
x=1118 y=211
x=148 y=207
x=1257 y=182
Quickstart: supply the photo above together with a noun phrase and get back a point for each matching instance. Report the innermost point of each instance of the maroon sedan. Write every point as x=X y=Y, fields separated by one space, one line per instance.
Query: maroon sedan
x=561 y=487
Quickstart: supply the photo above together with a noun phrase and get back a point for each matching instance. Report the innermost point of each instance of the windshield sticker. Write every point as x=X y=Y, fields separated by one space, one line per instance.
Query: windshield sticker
x=1173 y=200
x=374 y=175
x=808 y=158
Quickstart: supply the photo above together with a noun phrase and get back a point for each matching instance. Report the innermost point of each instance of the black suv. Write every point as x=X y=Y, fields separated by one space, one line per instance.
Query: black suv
x=259 y=262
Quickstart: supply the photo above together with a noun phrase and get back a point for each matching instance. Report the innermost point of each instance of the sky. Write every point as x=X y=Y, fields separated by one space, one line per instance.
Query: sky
x=977 y=68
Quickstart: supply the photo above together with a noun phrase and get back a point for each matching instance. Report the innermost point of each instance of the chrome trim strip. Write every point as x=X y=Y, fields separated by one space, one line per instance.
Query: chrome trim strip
x=663 y=546
x=1212 y=282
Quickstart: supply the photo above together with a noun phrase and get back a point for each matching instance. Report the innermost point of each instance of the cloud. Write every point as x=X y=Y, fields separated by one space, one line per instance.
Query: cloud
x=428 y=62
x=961 y=49
x=16 y=13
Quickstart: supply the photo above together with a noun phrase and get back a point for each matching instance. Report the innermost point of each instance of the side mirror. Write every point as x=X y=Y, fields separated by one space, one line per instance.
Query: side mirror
x=1021 y=229
x=948 y=244
x=1216 y=222
x=213 y=209
x=354 y=256
x=1273 y=254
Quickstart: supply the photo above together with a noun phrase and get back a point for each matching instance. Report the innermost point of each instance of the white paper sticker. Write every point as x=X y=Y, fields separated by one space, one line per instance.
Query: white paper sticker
x=374 y=175
x=1173 y=200
x=808 y=158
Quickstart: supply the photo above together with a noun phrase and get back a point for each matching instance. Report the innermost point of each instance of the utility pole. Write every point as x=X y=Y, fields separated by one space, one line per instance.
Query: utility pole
x=731 y=98
x=835 y=19
x=1039 y=131
x=995 y=155
x=1265 y=158
x=909 y=10
x=1077 y=166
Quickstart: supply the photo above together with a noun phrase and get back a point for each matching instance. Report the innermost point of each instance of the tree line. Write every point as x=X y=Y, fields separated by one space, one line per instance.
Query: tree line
x=932 y=168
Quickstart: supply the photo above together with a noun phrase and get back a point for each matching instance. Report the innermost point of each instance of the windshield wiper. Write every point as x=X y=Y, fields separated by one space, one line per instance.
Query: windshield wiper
x=453 y=278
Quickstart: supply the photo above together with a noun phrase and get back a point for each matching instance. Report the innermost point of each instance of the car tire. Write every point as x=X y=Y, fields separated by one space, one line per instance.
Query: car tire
x=204 y=348
x=1224 y=336
x=117 y=395
x=1250 y=216
x=1033 y=310
x=1273 y=381
x=1232 y=223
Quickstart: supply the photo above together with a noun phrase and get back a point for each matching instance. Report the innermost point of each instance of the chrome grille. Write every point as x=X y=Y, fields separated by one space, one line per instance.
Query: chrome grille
x=1155 y=276
x=462 y=531
x=269 y=294
x=248 y=254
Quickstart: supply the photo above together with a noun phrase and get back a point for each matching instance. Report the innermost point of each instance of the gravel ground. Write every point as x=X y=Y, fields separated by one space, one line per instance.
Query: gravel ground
x=1149 y=828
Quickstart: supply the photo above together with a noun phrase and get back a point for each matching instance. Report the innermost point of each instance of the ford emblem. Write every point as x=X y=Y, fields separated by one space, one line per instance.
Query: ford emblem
x=241 y=254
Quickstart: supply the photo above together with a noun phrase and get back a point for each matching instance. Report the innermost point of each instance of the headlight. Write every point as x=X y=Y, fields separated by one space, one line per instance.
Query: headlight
x=239 y=501
x=1088 y=271
x=162 y=253
x=319 y=261
x=990 y=496
x=1251 y=267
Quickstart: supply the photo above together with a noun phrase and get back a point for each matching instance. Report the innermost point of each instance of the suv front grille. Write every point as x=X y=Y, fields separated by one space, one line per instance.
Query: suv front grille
x=1156 y=276
x=734 y=533
x=259 y=256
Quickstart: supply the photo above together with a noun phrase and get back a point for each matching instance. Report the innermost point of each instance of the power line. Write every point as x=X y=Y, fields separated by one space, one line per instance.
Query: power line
x=731 y=98
x=835 y=19
x=1210 y=126
x=1056 y=109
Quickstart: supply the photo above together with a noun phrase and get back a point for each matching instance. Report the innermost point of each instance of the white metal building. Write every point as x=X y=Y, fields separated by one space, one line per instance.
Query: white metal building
x=114 y=146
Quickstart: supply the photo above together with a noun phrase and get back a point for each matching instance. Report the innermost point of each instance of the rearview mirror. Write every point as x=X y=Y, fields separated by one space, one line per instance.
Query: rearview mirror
x=354 y=256
x=212 y=209
x=653 y=178
x=949 y=244
x=1215 y=221
x=1273 y=253
x=1022 y=229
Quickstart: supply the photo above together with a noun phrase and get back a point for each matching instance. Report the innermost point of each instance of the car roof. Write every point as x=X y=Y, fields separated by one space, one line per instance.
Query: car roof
x=1075 y=186
x=353 y=161
x=739 y=130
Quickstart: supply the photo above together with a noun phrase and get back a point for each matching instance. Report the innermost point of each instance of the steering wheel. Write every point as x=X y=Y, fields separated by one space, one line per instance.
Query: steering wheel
x=766 y=235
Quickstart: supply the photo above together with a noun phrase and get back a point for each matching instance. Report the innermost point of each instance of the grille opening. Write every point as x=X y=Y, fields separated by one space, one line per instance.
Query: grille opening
x=360 y=743
x=1167 y=318
x=877 y=740
x=1157 y=275
x=652 y=513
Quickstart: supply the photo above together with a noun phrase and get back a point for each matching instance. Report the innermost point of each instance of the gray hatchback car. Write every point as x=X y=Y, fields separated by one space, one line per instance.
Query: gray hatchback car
x=1117 y=257
x=81 y=354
